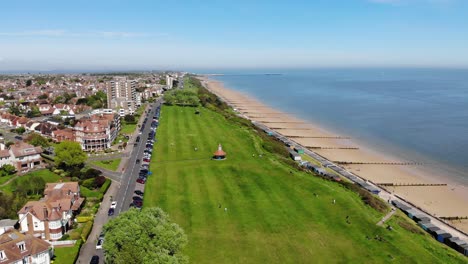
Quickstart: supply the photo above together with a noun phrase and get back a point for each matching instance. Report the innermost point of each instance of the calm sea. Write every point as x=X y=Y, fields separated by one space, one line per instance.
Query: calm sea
x=416 y=114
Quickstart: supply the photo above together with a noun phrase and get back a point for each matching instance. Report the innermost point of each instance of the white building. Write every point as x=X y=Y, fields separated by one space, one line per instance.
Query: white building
x=21 y=155
x=122 y=94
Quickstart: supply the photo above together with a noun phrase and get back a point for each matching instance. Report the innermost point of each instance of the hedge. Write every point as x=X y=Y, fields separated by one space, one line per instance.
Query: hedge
x=105 y=186
x=84 y=219
x=86 y=230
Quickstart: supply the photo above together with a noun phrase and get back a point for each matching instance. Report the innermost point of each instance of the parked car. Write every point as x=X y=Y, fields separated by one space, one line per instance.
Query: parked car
x=138 y=192
x=94 y=260
x=142 y=181
x=99 y=243
x=137 y=198
x=113 y=204
x=111 y=211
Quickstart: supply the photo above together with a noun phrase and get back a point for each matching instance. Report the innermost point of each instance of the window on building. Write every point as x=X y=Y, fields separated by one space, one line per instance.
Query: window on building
x=36 y=225
x=21 y=246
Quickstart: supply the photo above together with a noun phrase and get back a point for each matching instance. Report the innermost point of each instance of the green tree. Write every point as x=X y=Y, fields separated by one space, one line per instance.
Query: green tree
x=29 y=82
x=37 y=140
x=34 y=112
x=130 y=119
x=146 y=236
x=7 y=169
x=20 y=130
x=69 y=154
x=15 y=110
x=43 y=96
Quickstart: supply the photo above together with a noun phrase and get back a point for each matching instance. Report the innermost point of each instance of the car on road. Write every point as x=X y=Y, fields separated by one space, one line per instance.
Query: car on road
x=138 y=192
x=99 y=243
x=137 y=198
x=94 y=260
x=138 y=203
x=111 y=211
x=137 y=161
x=113 y=204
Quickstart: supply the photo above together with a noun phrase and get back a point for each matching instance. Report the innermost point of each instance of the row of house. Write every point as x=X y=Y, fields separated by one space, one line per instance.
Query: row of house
x=94 y=132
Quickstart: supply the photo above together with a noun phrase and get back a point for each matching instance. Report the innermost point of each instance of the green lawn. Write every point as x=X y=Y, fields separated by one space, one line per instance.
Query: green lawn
x=272 y=213
x=66 y=255
x=128 y=129
x=111 y=164
x=6 y=178
x=45 y=174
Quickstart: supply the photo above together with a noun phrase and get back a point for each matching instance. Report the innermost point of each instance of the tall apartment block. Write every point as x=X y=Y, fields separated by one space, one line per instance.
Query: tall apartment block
x=122 y=95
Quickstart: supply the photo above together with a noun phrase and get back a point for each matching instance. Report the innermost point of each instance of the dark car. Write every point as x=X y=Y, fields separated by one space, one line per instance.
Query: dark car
x=111 y=211
x=137 y=198
x=94 y=260
x=138 y=203
x=137 y=161
x=138 y=139
x=138 y=192
x=18 y=138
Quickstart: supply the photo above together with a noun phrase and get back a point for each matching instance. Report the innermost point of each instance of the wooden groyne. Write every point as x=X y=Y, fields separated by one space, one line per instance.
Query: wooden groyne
x=376 y=163
x=410 y=184
x=323 y=137
x=318 y=147
x=298 y=128
x=452 y=218
x=283 y=122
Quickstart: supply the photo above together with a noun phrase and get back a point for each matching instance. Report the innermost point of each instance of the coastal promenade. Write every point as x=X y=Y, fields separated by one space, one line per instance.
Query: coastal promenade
x=237 y=104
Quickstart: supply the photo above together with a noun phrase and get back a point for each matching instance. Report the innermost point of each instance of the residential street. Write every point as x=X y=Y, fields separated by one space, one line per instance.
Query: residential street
x=121 y=190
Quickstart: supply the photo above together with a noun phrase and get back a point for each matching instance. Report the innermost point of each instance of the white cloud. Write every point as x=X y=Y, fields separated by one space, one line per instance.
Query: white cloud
x=64 y=33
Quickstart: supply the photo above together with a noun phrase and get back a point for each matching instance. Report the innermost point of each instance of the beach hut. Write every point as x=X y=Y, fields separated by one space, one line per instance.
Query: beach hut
x=432 y=231
x=424 y=224
x=420 y=217
x=336 y=178
x=320 y=171
x=295 y=156
x=299 y=150
x=440 y=235
x=465 y=250
x=411 y=213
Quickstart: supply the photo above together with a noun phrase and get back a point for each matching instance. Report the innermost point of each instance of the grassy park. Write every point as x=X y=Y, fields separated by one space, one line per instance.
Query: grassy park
x=111 y=164
x=253 y=208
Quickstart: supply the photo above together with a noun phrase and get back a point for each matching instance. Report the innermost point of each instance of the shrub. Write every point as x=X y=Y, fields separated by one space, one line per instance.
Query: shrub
x=86 y=230
x=99 y=181
x=89 y=183
x=83 y=219
x=105 y=186
x=65 y=237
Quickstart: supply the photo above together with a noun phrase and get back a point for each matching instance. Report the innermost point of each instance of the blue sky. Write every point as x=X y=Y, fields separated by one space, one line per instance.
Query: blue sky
x=67 y=35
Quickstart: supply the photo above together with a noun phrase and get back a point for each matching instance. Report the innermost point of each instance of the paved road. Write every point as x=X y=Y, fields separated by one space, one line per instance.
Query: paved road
x=128 y=183
x=122 y=192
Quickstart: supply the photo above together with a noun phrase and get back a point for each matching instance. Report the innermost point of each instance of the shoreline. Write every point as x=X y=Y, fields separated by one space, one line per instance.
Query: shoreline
x=440 y=201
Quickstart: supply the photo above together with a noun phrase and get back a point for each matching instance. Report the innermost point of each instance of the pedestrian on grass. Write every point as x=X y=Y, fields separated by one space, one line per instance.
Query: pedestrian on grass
x=334 y=201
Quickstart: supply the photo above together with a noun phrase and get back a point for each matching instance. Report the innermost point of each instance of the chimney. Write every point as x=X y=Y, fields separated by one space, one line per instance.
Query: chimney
x=46 y=213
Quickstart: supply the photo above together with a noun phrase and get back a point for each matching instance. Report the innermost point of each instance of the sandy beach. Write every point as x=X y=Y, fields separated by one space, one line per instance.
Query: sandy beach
x=445 y=201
